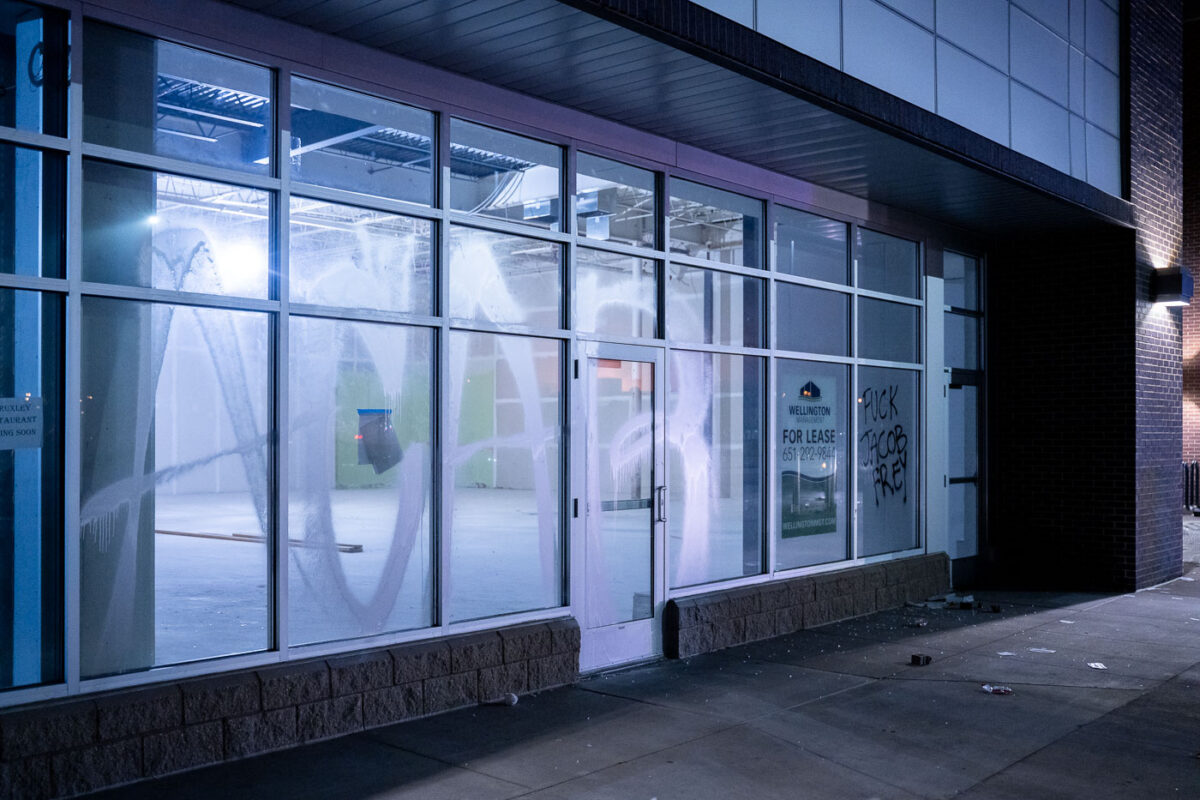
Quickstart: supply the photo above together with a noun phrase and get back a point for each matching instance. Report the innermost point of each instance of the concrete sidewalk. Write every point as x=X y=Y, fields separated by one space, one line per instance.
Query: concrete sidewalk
x=835 y=712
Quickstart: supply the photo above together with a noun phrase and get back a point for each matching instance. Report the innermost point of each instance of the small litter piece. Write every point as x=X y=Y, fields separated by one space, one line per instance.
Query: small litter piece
x=994 y=689
x=1005 y=653
x=920 y=660
x=1067 y=621
x=1096 y=665
x=509 y=699
x=916 y=623
x=1041 y=650
x=1189 y=580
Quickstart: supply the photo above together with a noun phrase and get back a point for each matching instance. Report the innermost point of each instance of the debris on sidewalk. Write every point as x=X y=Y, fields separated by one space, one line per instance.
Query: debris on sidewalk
x=920 y=660
x=1067 y=621
x=994 y=689
x=1041 y=650
x=957 y=602
x=1096 y=665
x=1004 y=653
x=919 y=622
x=509 y=699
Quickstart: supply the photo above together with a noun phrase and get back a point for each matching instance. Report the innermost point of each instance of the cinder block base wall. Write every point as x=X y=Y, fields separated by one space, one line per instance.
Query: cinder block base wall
x=81 y=745
x=714 y=621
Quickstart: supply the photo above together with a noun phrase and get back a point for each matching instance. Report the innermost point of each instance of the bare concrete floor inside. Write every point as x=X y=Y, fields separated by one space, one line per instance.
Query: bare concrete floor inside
x=836 y=712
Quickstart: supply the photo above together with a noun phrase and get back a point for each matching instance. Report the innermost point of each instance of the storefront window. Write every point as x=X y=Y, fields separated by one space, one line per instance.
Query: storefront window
x=504 y=434
x=151 y=96
x=33 y=212
x=812 y=320
x=812 y=466
x=175 y=502
x=617 y=294
x=354 y=257
x=887 y=264
x=709 y=307
x=360 y=143
x=888 y=331
x=361 y=479
x=615 y=202
x=495 y=277
x=809 y=246
x=888 y=456
x=716 y=225
x=33 y=68
x=504 y=176
x=714 y=442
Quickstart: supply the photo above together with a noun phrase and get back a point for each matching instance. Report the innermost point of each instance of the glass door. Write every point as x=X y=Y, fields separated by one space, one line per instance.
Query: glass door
x=624 y=505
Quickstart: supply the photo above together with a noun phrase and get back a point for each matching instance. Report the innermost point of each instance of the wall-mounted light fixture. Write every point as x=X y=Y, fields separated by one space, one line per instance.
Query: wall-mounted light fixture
x=1172 y=286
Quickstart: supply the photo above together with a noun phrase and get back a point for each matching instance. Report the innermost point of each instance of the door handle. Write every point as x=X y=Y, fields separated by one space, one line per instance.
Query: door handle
x=660 y=504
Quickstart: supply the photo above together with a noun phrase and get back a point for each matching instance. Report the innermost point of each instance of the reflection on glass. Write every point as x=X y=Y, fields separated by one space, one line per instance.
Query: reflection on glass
x=962 y=341
x=174 y=484
x=887 y=264
x=812 y=320
x=714 y=224
x=503 y=175
x=31 y=479
x=360 y=557
x=358 y=258
x=712 y=307
x=503 y=437
x=615 y=202
x=152 y=96
x=810 y=246
x=888 y=331
x=33 y=68
x=888 y=460
x=616 y=294
x=32 y=212
x=962 y=503
x=812 y=431
x=620 y=486
x=964 y=432
x=495 y=277
x=164 y=231
x=714 y=431
x=961 y=274
x=361 y=143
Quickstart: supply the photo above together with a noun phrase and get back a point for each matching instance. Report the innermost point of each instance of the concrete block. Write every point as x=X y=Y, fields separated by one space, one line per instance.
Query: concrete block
x=47 y=729
x=451 y=691
x=360 y=672
x=292 y=685
x=258 y=733
x=744 y=602
x=559 y=669
x=728 y=632
x=564 y=634
x=138 y=712
x=789 y=620
x=332 y=717
x=421 y=660
x=183 y=748
x=898 y=572
x=499 y=680
x=775 y=596
x=803 y=590
x=818 y=613
x=223 y=696
x=393 y=704
x=864 y=602
x=476 y=651
x=891 y=596
x=92 y=768
x=27 y=778
x=760 y=626
x=525 y=642
x=695 y=640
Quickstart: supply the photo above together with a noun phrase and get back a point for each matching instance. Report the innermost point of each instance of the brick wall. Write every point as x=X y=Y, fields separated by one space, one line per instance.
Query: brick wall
x=708 y=622
x=1155 y=133
x=1190 y=251
x=81 y=745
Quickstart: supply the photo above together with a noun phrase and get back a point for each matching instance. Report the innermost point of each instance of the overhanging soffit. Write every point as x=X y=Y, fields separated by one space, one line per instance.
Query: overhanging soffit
x=679 y=71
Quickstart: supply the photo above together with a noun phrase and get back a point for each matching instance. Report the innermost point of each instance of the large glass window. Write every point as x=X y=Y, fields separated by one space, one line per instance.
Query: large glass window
x=361 y=143
x=616 y=294
x=810 y=246
x=812 y=466
x=163 y=231
x=888 y=469
x=31 y=480
x=812 y=320
x=888 y=264
x=175 y=507
x=503 y=440
x=505 y=176
x=152 y=96
x=715 y=436
x=710 y=307
x=495 y=277
x=615 y=202
x=33 y=68
x=32 y=212
x=358 y=258
x=361 y=473
x=888 y=331
x=716 y=225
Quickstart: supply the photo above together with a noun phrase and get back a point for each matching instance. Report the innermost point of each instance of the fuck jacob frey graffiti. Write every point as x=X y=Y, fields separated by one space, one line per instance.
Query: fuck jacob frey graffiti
x=883 y=443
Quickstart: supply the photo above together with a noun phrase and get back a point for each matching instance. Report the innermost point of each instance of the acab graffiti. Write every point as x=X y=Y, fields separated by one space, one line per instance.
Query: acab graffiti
x=883 y=443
